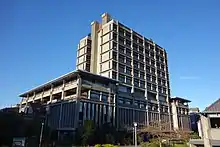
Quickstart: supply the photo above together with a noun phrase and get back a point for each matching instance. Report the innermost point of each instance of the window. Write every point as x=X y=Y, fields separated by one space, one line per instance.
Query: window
x=121 y=40
x=114 y=75
x=142 y=84
x=162 y=67
x=152 y=54
x=95 y=96
x=164 y=82
x=114 y=36
x=128 y=34
x=148 y=69
x=128 y=43
x=141 y=57
x=154 y=87
x=114 y=27
x=153 y=70
x=148 y=77
x=114 y=55
x=136 y=82
x=128 y=52
x=160 y=89
x=141 y=66
x=114 y=65
x=135 y=47
x=121 y=68
x=121 y=31
x=136 y=74
x=164 y=90
x=142 y=75
x=122 y=89
x=141 y=49
x=128 y=80
x=128 y=70
x=120 y=101
x=134 y=38
x=128 y=102
x=128 y=61
x=121 y=58
x=140 y=41
x=163 y=74
x=147 y=60
x=136 y=103
x=104 y=98
x=135 y=64
x=152 y=62
x=142 y=105
x=153 y=79
x=149 y=86
x=122 y=78
x=158 y=73
x=114 y=45
x=159 y=81
x=135 y=55
x=121 y=49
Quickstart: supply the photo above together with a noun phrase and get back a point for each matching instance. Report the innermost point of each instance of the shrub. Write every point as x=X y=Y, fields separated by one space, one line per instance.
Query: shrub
x=98 y=145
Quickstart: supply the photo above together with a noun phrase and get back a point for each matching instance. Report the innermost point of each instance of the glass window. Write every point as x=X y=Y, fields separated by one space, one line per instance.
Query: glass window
x=122 y=78
x=128 y=80
x=136 y=74
x=95 y=96
x=104 y=98
x=121 y=68
x=142 y=75
x=128 y=61
x=120 y=101
x=142 y=84
x=128 y=70
x=128 y=102
x=122 y=89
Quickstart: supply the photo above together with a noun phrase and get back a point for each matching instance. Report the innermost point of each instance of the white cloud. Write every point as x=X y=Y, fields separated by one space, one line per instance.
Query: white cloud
x=189 y=78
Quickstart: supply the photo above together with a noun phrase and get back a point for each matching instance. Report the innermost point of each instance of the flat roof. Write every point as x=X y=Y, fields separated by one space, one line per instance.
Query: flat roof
x=180 y=99
x=68 y=76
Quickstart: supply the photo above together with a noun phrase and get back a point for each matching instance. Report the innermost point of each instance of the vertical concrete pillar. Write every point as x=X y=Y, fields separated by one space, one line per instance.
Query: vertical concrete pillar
x=206 y=130
x=63 y=93
x=94 y=50
x=105 y=18
x=175 y=116
x=51 y=93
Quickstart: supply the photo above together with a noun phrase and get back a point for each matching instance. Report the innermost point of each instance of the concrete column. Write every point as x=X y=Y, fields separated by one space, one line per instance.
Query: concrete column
x=51 y=94
x=85 y=110
x=27 y=99
x=105 y=18
x=175 y=116
x=42 y=95
x=94 y=50
x=79 y=84
x=89 y=94
x=200 y=128
x=206 y=130
x=63 y=93
x=34 y=97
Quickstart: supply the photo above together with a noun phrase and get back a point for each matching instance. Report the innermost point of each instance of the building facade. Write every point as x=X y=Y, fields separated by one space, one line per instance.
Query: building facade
x=116 y=51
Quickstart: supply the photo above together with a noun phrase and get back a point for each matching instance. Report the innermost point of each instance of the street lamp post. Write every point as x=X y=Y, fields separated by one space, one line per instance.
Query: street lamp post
x=135 y=134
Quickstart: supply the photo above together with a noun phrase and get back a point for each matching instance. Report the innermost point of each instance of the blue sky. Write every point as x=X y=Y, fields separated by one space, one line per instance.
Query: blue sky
x=38 y=41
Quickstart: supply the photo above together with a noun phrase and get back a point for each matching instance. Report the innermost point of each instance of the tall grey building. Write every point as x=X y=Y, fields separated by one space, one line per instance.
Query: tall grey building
x=116 y=51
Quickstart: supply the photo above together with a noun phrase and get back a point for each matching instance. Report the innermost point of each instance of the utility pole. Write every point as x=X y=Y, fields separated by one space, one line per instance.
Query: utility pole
x=135 y=134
